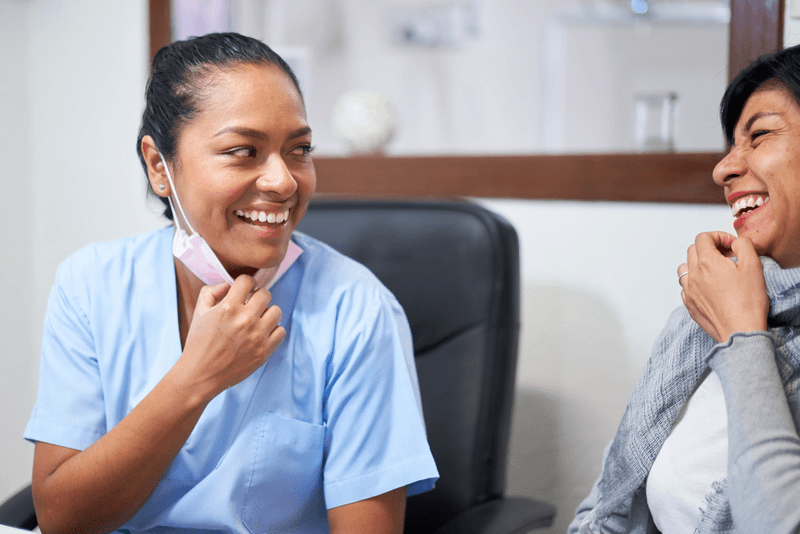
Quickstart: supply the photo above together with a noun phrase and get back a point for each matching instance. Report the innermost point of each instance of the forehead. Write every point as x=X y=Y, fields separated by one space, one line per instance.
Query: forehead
x=769 y=101
x=248 y=91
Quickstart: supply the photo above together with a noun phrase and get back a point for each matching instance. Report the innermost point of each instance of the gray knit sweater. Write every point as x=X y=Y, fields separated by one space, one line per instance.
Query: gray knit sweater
x=760 y=375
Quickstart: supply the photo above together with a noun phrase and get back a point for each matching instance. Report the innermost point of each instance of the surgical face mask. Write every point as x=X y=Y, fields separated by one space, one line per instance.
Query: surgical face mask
x=197 y=256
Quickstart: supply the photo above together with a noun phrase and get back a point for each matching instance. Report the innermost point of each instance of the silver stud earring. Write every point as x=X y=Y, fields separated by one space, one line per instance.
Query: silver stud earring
x=161 y=187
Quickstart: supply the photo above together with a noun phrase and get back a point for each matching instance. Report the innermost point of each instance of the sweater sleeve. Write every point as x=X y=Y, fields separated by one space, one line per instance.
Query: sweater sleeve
x=763 y=444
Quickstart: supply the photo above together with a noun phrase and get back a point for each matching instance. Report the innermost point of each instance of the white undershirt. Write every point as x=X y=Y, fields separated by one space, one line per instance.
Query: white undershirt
x=694 y=456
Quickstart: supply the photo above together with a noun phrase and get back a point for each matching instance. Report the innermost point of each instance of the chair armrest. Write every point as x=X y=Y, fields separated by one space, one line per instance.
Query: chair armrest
x=506 y=515
x=17 y=511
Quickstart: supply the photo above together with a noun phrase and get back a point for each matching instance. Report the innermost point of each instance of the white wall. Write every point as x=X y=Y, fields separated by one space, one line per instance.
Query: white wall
x=598 y=283
x=18 y=372
x=72 y=86
x=606 y=64
x=791 y=26
x=598 y=278
x=542 y=76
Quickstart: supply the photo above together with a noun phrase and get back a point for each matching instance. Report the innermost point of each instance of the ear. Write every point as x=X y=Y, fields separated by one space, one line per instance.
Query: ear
x=155 y=168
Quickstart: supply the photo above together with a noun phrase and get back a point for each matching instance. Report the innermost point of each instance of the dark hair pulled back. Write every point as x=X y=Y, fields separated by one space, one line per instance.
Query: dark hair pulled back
x=777 y=69
x=180 y=78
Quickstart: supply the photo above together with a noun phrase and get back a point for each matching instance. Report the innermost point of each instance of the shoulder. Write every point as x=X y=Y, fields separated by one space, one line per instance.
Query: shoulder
x=333 y=276
x=343 y=295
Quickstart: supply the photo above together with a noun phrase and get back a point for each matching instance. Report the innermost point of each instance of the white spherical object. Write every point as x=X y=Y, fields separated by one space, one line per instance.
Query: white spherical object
x=365 y=121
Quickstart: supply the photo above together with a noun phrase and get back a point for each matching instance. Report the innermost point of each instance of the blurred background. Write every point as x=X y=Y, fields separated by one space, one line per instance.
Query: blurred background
x=398 y=78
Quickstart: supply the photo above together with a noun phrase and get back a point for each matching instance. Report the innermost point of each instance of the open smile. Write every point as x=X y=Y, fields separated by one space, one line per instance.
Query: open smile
x=747 y=204
x=262 y=218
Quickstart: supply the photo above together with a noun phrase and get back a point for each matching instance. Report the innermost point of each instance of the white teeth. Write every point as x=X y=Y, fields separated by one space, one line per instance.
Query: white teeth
x=747 y=202
x=262 y=216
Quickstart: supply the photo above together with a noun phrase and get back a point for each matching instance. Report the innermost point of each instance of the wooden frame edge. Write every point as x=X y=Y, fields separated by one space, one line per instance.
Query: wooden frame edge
x=666 y=177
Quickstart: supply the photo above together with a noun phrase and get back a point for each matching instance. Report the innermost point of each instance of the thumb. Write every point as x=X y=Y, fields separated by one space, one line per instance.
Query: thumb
x=211 y=295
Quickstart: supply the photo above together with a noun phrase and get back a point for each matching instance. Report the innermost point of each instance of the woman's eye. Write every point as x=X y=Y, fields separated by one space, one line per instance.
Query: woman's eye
x=303 y=150
x=758 y=133
x=244 y=152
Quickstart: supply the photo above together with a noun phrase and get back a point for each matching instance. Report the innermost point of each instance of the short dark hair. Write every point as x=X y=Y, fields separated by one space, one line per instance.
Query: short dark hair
x=179 y=78
x=776 y=69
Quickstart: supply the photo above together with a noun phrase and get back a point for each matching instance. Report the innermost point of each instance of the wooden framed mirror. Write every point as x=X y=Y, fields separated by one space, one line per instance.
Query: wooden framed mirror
x=756 y=27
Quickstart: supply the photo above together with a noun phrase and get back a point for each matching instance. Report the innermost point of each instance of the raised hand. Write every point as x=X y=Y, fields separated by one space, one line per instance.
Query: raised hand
x=233 y=332
x=722 y=296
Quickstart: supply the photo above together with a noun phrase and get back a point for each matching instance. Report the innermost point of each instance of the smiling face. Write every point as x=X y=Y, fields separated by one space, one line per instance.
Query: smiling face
x=243 y=169
x=761 y=175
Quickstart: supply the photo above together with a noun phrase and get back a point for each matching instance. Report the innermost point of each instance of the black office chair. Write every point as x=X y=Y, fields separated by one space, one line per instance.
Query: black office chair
x=17 y=510
x=454 y=267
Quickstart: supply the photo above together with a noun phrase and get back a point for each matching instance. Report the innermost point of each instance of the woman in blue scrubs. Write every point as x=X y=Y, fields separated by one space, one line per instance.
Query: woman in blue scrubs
x=225 y=373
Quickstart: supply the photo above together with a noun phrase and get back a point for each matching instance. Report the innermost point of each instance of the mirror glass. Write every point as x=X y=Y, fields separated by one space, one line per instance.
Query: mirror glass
x=406 y=77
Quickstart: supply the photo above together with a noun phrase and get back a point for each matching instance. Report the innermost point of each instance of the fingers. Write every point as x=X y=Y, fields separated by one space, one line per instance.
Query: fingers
x=211 y=295
x=692 y=260
x=258 y=301
x=272 y=316
x=683 y=272
x=722 y=241
x=241 y=288
x=275 y=338
x=744 y=251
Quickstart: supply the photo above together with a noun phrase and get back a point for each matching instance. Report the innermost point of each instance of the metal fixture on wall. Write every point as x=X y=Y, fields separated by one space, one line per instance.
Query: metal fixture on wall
x=451 y=24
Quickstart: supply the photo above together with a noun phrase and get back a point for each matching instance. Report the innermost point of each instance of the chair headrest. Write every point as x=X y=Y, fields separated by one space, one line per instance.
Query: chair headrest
x=438 y=258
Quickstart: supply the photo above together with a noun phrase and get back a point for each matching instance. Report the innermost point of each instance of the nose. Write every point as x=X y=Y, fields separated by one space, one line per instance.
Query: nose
x=276 y=179
x=731 y=166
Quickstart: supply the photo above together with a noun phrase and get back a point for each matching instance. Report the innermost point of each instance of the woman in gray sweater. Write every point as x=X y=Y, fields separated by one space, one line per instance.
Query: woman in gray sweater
x=709 y=441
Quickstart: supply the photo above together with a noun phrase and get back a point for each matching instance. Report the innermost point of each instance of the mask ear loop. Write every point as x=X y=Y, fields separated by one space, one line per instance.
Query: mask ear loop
x=178 y=200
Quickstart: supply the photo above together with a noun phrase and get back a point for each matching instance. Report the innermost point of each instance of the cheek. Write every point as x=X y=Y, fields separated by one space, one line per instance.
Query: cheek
x=223 y=196
x=308 y=182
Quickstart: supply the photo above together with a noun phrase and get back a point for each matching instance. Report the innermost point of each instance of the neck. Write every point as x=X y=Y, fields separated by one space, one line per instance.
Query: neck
x=189 y=287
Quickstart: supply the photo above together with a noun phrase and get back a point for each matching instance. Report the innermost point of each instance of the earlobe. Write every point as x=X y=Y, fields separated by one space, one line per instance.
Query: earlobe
x=156 y=173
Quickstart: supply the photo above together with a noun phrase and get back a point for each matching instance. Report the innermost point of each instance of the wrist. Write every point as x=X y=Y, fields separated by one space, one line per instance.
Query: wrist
x=194 y=391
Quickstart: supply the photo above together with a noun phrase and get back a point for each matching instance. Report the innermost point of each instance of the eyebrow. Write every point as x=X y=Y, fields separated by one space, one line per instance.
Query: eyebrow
x=258 y=134
x=759 y=115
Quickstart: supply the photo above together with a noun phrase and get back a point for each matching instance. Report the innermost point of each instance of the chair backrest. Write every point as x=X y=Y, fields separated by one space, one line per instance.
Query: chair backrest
x=454 y=267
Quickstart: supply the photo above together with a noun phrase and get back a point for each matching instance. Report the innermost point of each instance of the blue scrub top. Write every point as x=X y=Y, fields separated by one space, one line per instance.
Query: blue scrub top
x=333 y=417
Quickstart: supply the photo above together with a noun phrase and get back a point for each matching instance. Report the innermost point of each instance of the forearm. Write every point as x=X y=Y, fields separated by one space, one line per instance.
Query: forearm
x=100 y=488
x=764 y=449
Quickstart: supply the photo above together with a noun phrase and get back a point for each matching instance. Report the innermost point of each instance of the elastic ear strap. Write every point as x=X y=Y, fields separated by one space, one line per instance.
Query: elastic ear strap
x=175 y=191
